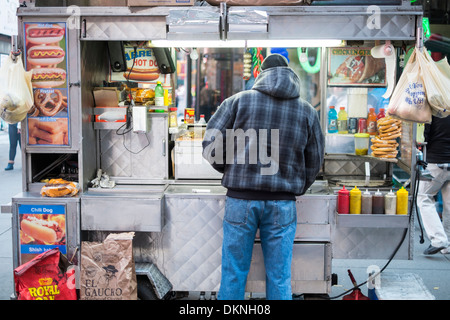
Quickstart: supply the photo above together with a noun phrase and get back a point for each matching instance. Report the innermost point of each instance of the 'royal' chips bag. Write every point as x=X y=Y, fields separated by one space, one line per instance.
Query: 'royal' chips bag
x=46 y=277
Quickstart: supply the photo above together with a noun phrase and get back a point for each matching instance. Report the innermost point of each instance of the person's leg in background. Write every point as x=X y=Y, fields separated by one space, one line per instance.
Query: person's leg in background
x=445 y=191
x=427 y=207
x=277 y=232
x=14 y=139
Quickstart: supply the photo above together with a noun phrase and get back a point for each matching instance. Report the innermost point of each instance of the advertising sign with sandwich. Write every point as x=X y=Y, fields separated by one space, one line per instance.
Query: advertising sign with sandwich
x=41 y=228
x=48 y=119
x=355 y=66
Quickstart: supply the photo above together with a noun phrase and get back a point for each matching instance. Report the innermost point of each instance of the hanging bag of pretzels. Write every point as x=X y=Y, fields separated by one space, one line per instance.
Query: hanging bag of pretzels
x=16 y=92
x=409 y=101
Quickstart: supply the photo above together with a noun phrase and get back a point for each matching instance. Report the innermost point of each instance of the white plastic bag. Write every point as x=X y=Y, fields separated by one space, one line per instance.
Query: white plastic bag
x=408 y=101
x=16 y=91
x=436 y=77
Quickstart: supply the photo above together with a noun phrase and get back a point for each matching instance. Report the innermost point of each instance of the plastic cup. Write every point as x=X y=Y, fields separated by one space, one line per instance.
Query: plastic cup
x=361 y=143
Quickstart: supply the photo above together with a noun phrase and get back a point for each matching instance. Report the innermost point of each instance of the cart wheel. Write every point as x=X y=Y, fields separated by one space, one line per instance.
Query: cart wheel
x=145 y=290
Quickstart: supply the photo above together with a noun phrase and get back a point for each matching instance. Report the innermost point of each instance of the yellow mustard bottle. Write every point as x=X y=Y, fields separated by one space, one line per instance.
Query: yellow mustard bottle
x=355 y=201
x=402 y=201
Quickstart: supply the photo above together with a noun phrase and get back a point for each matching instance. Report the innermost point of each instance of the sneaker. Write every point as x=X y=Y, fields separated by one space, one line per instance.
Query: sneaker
x=10 y=166
x=432 y=250
x=446 y=250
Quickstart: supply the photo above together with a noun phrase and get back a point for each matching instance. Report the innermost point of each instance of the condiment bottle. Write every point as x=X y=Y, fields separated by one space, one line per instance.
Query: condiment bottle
x=372 y=122
x=402 y=201
x=390 y=203
x=378 y=203
x=159 y=95
x=366 y=202
x=355 y=201
x=173 y=119
x=343 y=201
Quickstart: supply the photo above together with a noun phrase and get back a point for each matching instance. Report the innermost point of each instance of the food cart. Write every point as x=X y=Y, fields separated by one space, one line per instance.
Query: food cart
x=174 y=207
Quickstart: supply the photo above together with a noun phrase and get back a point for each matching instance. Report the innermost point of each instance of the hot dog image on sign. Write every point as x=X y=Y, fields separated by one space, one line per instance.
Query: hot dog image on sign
x=141 y=66
x=46 y=57
x=42 y=227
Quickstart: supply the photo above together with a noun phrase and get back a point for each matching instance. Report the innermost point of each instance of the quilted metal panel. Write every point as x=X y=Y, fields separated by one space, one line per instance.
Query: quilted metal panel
x=125 y=28
x=369 y=243
x=354 y=167
x=139 y=156
x=349 y=27
x=191 y=243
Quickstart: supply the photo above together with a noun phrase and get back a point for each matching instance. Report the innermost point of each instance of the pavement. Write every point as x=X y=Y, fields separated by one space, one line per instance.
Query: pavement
x=433 y=271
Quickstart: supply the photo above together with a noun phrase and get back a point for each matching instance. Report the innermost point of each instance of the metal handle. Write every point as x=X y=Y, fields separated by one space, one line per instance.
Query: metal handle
x=164 y=147
x=6 y=208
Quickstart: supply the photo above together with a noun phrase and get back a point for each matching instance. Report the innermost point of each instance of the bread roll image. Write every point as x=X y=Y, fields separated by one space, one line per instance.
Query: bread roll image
x=41 y=230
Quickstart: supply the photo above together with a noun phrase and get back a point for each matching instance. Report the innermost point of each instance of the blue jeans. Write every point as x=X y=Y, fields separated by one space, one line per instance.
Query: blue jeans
x=277 y=221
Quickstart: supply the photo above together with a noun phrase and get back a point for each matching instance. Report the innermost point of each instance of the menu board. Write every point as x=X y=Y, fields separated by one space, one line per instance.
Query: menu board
x=41 y=228
x=45 y=47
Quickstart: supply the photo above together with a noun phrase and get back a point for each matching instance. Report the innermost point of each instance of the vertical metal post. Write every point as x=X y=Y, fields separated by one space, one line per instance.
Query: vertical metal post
x=223 y=21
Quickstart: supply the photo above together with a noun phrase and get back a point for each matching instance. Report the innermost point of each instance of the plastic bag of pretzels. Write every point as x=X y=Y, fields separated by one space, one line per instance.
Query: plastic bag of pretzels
x=16 y=92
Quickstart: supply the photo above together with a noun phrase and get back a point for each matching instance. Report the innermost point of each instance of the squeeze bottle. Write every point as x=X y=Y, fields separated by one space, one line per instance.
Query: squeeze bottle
x=390 y=203
x=372 y=122
x=342 y=121
x=378 y=203
x=343 y=201
x=366 y=202
x=402 y=201
x=355 y=201
x=332 y=120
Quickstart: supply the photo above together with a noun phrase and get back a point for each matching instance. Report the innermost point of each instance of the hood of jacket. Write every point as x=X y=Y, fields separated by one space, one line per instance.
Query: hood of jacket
x=278 y=82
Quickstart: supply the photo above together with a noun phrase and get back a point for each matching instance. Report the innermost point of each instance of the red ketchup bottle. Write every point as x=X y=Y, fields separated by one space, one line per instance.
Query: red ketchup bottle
x=343 y=201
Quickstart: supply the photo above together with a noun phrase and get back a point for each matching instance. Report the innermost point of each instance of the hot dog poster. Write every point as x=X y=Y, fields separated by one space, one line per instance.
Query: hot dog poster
x=355 y=66
x=145 y=68
x=41 y=228
x=46 y=56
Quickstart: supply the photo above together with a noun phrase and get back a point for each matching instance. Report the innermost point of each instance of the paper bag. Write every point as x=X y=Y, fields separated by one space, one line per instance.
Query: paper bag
x=107 y=269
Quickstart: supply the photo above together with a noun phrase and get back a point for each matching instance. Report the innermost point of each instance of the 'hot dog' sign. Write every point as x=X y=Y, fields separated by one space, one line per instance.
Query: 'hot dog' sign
x=141 y=66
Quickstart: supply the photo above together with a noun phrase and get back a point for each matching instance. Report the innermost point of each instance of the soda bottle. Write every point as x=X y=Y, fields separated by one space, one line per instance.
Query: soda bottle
x=342 y=121
x=332 y=120
x=372 y=122
x=159 y=95
x=381 y=114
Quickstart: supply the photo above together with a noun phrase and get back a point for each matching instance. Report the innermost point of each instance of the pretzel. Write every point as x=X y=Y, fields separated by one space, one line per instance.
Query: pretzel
x=49 y=103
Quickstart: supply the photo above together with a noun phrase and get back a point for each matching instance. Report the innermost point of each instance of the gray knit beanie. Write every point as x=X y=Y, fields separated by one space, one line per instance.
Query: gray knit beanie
x=274 y=60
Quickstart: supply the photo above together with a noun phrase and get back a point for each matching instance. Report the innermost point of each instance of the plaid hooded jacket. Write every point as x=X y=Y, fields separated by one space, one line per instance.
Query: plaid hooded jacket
x=288 y=164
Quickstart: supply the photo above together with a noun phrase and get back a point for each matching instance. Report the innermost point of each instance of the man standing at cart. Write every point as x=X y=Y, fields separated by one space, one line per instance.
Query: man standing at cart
x=269 y=146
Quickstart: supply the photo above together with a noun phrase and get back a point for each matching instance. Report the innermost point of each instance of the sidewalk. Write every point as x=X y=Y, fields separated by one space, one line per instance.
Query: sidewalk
x=433 y=270
x=10 y=185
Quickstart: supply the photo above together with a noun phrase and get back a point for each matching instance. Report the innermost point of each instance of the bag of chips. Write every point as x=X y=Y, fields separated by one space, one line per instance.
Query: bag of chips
x=49 y=276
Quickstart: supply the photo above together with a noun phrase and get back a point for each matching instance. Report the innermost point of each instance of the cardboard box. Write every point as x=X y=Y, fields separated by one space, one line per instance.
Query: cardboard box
x=106 y=97
x=159 y=3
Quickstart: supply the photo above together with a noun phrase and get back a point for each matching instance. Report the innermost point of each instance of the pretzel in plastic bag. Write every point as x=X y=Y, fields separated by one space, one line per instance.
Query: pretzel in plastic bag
x=60 y=188
x=16 y=91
